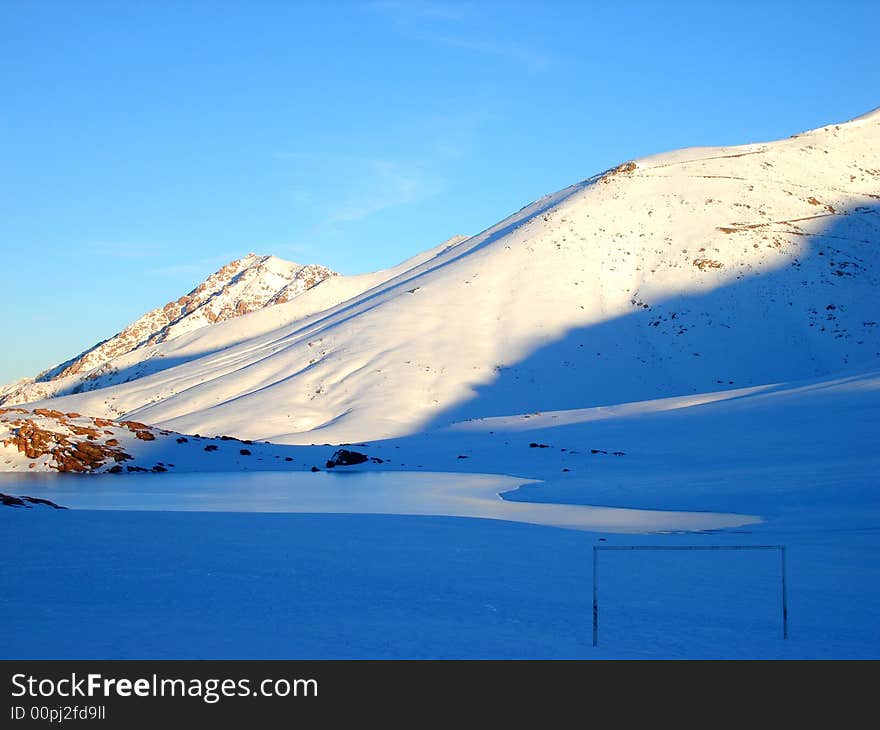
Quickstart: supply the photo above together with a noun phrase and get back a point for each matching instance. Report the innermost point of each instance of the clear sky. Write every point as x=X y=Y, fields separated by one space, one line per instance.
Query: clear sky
x=144 y=144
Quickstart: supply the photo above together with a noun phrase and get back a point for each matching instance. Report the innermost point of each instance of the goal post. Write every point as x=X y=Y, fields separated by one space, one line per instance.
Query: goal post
x=598 y=548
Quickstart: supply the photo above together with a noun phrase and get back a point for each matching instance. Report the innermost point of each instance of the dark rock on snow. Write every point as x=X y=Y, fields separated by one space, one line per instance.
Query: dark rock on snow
x=7 y=500
x=344 y=457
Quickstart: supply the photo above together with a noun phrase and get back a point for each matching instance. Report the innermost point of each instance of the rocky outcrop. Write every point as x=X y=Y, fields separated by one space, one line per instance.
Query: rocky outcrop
x=344 y=457
x=7 y=500
x=67 y=445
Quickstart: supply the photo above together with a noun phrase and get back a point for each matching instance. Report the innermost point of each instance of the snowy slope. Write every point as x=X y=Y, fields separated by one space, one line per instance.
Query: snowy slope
x=689 y=272
x=244 y=285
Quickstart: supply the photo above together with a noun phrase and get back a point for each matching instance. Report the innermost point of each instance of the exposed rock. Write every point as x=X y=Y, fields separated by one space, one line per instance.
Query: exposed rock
x=86 y=431
x=344 y=457
x=49 y=413
x=7 y=500
x=13 y=410
x=59 y=442
x=625 y=167
x=134 y=425
x=89 y=451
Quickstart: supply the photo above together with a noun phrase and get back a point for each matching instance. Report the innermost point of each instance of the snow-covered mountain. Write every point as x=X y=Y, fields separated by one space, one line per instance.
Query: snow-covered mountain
x=691 y=272
x=241 y=286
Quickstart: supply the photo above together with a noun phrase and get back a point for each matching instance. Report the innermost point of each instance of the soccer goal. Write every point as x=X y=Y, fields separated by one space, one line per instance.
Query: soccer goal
x=601 y=548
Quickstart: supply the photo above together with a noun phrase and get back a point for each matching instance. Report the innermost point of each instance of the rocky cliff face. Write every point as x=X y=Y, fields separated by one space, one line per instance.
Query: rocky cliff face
x=240 y=287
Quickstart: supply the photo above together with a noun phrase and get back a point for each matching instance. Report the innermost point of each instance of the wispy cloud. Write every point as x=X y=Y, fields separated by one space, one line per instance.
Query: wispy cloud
x=532 y=58
x=346 y=188
x=160 y=259
x=459 y=26
x=413 y=12
x=299 y=251
x=450 y=135
x=362 y=188
x=386 y=184
x=127 y=250
x=200 y=268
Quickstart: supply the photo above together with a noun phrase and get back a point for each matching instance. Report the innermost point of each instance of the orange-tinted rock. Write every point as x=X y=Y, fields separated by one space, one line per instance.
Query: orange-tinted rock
x=92 y=452
x=69 y=462
x=65 y=456
x=83 y=431
x=48 y=412
x=32 y=441
x=134 y=425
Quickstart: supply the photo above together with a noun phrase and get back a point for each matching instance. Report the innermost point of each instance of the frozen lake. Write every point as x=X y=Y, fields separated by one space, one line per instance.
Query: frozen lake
x=222 y=566
x=394 y=493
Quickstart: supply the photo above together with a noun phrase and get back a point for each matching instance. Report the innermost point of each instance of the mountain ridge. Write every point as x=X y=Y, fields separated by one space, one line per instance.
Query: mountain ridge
x=237 y=288
x=690 y=271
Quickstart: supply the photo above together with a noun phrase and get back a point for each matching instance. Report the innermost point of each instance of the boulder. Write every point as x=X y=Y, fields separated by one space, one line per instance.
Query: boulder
x=344 y=457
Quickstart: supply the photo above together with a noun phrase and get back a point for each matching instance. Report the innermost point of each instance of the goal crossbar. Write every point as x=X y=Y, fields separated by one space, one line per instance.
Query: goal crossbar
x=598 y=548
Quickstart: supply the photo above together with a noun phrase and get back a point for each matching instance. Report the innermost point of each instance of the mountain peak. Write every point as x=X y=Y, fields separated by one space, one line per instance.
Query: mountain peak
x=244 y=285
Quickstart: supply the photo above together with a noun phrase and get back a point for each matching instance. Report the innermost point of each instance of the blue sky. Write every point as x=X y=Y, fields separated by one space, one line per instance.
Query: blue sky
x=144 y=144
